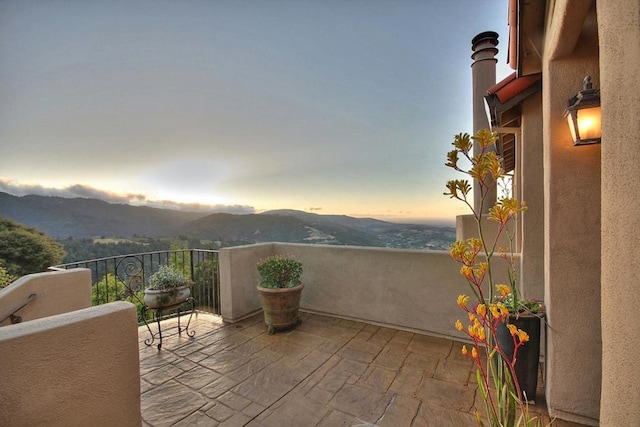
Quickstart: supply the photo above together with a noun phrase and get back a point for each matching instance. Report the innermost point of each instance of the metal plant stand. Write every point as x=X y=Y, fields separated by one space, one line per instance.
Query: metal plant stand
x=157 y=314
x=131 y=273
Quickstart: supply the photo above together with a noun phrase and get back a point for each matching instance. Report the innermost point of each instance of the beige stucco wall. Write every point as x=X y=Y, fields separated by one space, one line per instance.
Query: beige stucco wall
x=619 y=31
x=411 y=289
x=572 y=232
x=239 y=278
x=56 y=292
x=529 y=189
x=75 y=369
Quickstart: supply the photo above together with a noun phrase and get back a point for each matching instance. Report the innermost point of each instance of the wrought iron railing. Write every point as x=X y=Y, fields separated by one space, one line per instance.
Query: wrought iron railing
x=114 y=278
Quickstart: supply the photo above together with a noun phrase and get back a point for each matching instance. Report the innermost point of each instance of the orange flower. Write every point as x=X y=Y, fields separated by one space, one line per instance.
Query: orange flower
x=467 y=272
x=462 y=301
x=475 y=244
x=481 y=309
x=494 y=311
x=459 y=325
x=512 y=330
x=503 y=289
x=476 y=330
x=457 y=250
x=474 y=353
x=504 y=311
x=464 y=350
x=522 y=336
x=481 y=334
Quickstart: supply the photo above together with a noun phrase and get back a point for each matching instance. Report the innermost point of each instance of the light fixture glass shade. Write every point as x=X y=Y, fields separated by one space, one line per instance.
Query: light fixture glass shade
x=589 y=123
x=584 y=115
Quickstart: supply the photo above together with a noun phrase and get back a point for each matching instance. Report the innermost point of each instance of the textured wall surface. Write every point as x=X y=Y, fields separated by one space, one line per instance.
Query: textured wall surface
x=75 y=369
x=55 y=292
x=572 y=224
x=619 y=31
x=411 y=289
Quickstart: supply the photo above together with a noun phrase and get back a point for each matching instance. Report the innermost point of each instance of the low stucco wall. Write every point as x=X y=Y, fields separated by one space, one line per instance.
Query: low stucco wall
x=74 y=369
x=238 y=280
x=55 y=292
x=410 y=289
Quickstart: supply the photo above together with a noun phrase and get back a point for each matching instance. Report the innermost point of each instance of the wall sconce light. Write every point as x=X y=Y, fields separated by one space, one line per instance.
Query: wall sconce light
x=584 y=115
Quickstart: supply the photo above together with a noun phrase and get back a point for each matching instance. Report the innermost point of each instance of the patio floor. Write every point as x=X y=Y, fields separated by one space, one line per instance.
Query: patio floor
x=327 y=372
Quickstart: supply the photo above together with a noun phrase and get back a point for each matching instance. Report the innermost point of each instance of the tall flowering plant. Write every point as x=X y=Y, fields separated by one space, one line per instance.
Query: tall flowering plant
x=495 y=371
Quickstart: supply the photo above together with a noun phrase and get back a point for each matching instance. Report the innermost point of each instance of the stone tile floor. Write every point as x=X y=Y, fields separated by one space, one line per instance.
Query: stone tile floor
x=327 y=372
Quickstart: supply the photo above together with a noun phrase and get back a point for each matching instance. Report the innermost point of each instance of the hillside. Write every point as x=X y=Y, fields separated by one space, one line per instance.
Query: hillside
x=89 y=218
x=84 y=218
x=277 y=228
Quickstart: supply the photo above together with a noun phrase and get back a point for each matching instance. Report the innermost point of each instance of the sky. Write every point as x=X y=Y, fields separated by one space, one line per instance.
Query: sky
x=327 y=106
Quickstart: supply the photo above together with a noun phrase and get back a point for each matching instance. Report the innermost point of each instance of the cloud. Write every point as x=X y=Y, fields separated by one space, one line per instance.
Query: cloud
x=86 y=192
x=317 y=209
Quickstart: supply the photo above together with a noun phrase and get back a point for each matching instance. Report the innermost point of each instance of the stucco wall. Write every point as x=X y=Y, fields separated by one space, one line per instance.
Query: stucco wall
x=75 y=369
x=619 y=31
x=239 y=278
x=55 y=292
x=412 y=289
x=572 y=231
x=530 y=189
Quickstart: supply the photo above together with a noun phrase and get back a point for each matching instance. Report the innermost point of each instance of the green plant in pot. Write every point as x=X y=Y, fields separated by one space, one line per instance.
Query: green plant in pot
x=279 y=290
x=526 y=315
x=167 y=287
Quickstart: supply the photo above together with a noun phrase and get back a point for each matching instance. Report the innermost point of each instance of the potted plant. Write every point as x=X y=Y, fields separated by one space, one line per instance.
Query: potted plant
x=279 y=291
x=525 y=315
x=498 y=382
x=167 y=287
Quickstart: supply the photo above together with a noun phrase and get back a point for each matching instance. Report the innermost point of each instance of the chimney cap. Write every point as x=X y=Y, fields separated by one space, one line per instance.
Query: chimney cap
x=487 y=36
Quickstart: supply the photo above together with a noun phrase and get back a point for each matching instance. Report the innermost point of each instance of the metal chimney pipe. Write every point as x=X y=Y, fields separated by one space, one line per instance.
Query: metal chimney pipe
x=483 y=75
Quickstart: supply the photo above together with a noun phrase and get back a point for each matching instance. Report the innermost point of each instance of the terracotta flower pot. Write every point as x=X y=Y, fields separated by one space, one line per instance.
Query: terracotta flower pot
x=280 y=307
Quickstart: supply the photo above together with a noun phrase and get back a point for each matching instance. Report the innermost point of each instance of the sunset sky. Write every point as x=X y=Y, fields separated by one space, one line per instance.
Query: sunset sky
x=328 y=106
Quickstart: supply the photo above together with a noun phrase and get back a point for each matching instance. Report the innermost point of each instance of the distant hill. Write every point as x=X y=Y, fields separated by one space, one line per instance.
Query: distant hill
x=267 y=227
x=88 y=218
x=84 y=218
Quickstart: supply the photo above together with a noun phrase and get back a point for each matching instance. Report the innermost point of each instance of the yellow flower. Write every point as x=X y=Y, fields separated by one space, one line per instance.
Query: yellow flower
x=464 y=350
x=467 y=272
x=494 y=311
x=459 y=325
x=482 y=310
x=457 y=250
x=504 y=311
x=476 y=330
x=512 y=330
x=462 y=301
x=482 y=336
x=475 y=244
x=503 y=289
x=522 y=335
x=474 y=353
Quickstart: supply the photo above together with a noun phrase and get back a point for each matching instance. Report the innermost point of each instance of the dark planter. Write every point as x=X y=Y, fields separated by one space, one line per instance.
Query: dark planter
x=280 y=307
x=528 y=357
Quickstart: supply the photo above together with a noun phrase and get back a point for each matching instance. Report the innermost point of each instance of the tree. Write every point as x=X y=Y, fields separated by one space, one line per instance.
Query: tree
x=25 y=250
x=5 y=278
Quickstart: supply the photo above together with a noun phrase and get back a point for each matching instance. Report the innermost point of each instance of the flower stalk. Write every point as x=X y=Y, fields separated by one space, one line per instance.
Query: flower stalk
x=496 y=374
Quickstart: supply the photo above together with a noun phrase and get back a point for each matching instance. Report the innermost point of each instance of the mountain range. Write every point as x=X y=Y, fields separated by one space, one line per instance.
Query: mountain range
x=89 y=218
